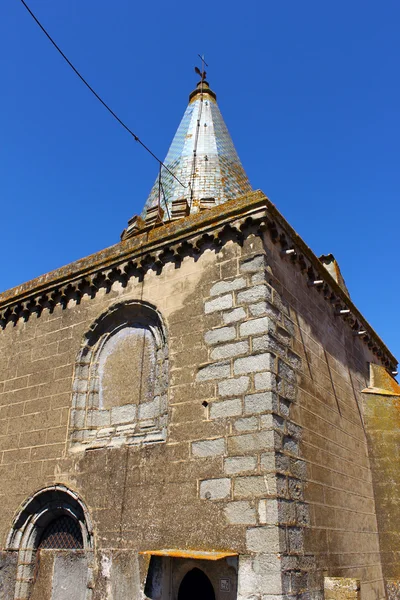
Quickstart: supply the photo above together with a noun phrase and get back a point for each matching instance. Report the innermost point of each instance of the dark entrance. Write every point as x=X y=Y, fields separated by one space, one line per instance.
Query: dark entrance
x=196 y=586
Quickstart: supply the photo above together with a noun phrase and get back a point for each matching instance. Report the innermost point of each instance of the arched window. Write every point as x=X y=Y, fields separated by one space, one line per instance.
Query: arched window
x=196 y=586
x=53 y=527
x=63 y=533
x=120 y=384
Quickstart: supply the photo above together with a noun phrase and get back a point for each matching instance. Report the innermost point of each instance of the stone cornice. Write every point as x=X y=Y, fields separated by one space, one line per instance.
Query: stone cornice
x=293 y=248
x=171 y=241
x=150 y=241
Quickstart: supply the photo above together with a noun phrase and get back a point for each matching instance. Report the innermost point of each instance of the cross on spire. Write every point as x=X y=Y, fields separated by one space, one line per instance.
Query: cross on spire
x=202 y=73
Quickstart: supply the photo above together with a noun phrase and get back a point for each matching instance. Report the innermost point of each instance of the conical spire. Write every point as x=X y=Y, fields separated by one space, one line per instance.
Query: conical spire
x=202 y=157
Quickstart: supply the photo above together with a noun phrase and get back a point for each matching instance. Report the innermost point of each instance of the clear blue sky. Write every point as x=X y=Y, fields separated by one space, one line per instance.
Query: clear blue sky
x=310 y=92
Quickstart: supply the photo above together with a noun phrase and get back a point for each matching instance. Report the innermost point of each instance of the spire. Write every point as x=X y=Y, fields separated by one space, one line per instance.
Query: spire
x=202 y=157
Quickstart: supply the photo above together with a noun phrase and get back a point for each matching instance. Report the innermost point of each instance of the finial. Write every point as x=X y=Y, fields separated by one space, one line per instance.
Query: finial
x=202 y=86
x=202 y=73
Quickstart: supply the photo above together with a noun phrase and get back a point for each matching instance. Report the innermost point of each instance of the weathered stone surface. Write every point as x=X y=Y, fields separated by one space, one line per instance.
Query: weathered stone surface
x=251 y=442
x=283 y=336
x=125 y=576
x=8 y=571
x=341 y=588
x=222 y=334
x=290 y=445
x=126 y=367
x=258 y=278
x=43 y=581
x=237 y=314
x=268 y=512
x=70 y=577
x=254 y=264
x=230 y=350
x=265 y=381
x=220 y=303
x=246 y=424
x=255 y=486
x=296 y=491
x=257 y=326
x=208 y=447
x=240 y=513
x=269 y=343
x=233 y=387
x=253 y=364
x=287 y=512
x=222 y=287
x=263 y=539
x=271 y=421
x=293 y=359
x=78 y=418
x=239 y=464
x=260 y=577
x=254 y=294
x=99 y=418
x=262 y=308
x=259 y=403
x=226 y=408
x=303 y=516
x=268 y=461
x=286 y=372
x=124 y=414
x=298 y=468
x=149 y=410
x=393 y=589
x=214 y=371
x=215 y=489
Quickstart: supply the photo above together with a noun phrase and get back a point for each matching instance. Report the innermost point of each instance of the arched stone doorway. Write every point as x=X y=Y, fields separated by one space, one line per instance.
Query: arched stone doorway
x=52 y=534
x=196 y=586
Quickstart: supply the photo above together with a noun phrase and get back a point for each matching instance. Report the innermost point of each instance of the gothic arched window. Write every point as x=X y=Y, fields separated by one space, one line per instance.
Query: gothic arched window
x=120 y=385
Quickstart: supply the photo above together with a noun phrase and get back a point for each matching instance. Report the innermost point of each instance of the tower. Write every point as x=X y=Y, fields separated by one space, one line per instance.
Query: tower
x=199 y=409
x=201 y=169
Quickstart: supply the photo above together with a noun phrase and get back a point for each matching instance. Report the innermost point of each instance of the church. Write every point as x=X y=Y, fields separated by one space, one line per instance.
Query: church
x=199 y=411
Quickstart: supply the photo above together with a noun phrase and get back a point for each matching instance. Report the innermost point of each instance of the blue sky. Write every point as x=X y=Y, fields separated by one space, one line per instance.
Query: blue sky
x=309 y=90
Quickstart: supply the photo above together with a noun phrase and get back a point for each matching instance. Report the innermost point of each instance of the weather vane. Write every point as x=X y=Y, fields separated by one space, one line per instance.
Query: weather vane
x=202 y=73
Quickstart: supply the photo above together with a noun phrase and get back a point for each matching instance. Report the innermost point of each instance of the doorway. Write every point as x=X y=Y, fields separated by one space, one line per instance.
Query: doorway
x=196 y=586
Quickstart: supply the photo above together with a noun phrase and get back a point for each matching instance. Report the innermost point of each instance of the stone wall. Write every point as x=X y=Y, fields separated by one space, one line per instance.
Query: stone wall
x=264 y=450
x=383 y=433
x=251 y=357
x=139 y=497
x=342 y=532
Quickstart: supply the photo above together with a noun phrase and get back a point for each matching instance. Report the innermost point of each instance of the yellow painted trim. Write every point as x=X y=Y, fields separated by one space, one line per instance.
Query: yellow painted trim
x=197 y=554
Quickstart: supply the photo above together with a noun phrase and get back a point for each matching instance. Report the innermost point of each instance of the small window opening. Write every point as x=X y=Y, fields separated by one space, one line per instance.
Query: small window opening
x=64 y=533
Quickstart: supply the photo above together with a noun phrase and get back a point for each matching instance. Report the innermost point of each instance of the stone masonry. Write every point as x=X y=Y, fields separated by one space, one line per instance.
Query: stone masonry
x=260 y=448
x=251 y=360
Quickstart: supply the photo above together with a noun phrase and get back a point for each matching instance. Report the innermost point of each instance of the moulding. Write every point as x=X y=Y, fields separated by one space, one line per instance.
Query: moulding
x=171 y=242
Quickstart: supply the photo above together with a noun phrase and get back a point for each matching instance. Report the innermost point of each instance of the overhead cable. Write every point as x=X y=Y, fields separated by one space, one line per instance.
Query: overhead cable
x=136 y=138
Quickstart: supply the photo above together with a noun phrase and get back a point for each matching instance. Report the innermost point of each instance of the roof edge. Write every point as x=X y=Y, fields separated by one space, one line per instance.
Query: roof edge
x=162 y=233
x=143 y=247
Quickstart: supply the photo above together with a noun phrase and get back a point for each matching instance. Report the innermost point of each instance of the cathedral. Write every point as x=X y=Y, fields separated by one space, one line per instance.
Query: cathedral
x=199 y=411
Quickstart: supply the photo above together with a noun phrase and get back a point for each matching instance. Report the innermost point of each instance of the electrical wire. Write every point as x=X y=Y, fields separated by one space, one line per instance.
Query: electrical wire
x=136 y=138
